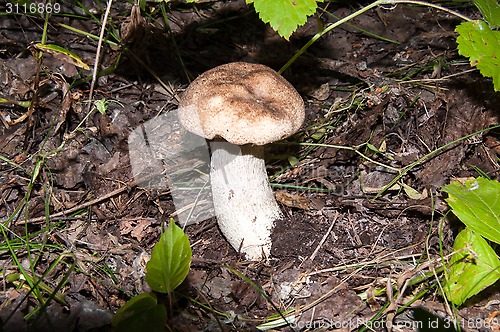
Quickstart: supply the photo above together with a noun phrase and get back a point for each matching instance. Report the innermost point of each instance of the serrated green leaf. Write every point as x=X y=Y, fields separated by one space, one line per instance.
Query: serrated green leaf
x=472 y=268
x=477 y=205
x=141 y=313
x=490 y=10
x=170 y=260
x=481 y=44
x=284 y=16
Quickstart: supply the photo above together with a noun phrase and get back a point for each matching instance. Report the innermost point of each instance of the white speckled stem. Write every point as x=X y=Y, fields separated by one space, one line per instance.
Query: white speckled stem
x=243 y=200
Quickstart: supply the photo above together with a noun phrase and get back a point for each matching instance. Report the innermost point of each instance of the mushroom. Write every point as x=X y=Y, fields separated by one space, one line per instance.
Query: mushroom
x=241 y=107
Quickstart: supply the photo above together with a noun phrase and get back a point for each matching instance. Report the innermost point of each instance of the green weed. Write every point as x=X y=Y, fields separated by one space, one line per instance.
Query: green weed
x=168 y=267
x=474 y=265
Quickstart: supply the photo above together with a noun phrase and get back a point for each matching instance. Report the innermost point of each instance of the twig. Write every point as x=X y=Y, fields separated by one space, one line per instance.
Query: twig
x=96 y=63
x=75 y=208
x=311 y=258
x=64 y=213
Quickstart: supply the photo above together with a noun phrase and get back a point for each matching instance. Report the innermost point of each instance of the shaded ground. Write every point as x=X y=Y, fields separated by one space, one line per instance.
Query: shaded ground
x=340 y=240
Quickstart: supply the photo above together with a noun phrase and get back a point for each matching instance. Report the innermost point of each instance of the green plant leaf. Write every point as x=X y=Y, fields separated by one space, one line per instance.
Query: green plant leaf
x=490 y=10
x=101 y=105
x=477 y=205
x=141 y=313
x=170 y=260
x=481 y=44
x=62 y=54
x=372 y=147
x=472 y=268
x=284 y=16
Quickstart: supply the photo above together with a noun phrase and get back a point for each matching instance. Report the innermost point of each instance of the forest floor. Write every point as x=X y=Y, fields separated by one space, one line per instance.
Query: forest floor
x=77 y=224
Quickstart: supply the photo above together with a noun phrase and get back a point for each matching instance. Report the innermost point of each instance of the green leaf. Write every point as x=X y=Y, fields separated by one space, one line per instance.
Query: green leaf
x=413 y=193
x=373 y=148
x=477 y=205
x=472 y=268
x=490 y=10
x=170 y=260
x=481 y=44
x=22 y=103
x=62 y=54
x=141 y=313
x=101 y=106
x=284 y=16
x=293 y=160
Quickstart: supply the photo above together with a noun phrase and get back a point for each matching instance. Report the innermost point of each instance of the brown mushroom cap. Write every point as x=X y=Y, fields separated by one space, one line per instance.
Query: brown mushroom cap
x=243 y=103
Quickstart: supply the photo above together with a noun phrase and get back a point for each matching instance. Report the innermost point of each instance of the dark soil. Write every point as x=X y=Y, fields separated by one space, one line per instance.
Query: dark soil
x=343 y=237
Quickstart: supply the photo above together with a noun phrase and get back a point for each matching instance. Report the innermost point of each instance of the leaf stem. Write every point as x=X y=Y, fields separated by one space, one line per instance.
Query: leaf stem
x=377 y=3
x=328 y=29
x=433 y=5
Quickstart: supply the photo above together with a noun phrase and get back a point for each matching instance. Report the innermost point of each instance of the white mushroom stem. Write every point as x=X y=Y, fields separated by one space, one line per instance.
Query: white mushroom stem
x=243 y=200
